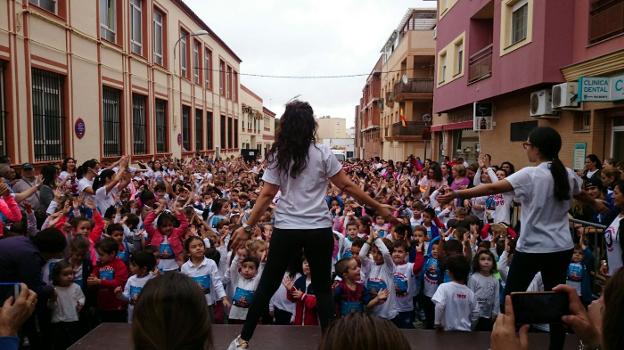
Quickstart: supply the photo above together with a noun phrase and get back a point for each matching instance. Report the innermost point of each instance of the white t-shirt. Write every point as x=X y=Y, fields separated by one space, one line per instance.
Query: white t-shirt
x=133 y=288
x=207 y=276
x=486 y=291
x=67 y=299
x=545 y=227
x=614 y=249
x=280 y=299
x=404 y=285
x=456 y=307
x=302 y=202
x=104 y=200
x=82 y=185
x=378 y=277
x=169 y=263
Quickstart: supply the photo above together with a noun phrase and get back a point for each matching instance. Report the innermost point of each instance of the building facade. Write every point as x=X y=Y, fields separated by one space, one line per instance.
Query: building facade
x=144 y=78
x=508 y=55
x=331 y=128
x=268 y=130
x=252 y=119
x=407 y=72
x=367 y=116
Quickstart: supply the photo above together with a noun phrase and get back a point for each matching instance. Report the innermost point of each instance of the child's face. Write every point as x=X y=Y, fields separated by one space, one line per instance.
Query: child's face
x=355 y=250
x=83 y=228
x=577 y=256
x=166 y=228
x=67 y=277
x=268 y=232
x=106 y=258
x=242 y=253
x=398 y=255
x=117 y=236
x=260 y=253
x=305 y=267
x=352 y=231
x=353 y=271
x=134 y=268
x=224 y=230
x=435 y=251
x=248 y=270
x=417 y=214
x=197 y=249
x=420 y=236
x=377 y=256
x=76 y=258
x=380 y=220
x=485 y=262
x=427 y=218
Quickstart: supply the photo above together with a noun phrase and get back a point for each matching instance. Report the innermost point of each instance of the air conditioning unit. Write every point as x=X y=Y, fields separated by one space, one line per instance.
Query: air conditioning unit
x=565 y=95
x=435 y=32
x=541 y=104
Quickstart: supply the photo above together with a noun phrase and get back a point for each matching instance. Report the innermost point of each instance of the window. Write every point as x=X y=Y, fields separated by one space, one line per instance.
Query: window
x=208 y=69
x=199 y=130
x=48 y=118
x=183 y=53
x=196 y=62
x=161 y=126
x=582 y=121
x=107 y=20
x=48 y=5
x=111 y=107
x=223 y=134
x=235 y=87
x=459 y=57
x=209 y=141
x=136 y=27
x=520 y=131
x=158 y=27
x=229 y=82
x=139 y=124
x=221 y=78
x=3 y=114
x=186 y=128
x=442 y=73
x=235 y=133
x=451 y=61
x=519 y=19
x=229 y=132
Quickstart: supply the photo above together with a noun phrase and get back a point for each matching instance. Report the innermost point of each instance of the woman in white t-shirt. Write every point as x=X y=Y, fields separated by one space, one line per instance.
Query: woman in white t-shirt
x=87 y=173
x=107 y=184
x=613 y=234
x=301 y=170
x=545 y=192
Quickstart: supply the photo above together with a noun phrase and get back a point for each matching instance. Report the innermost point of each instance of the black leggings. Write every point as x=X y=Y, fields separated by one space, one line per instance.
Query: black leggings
x=554 y=268
x=318 y=245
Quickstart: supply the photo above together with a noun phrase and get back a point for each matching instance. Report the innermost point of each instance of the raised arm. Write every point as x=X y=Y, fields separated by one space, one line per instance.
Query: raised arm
x=342 y=181
x=482 y=190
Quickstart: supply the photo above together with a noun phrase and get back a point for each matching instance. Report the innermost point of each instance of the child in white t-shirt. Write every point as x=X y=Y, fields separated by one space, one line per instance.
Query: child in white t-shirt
x=405 y=282
x=244 y=278
x=456 y=308
x=379 y=274
x=66 y=304
x=486 y=288
x=141 y=266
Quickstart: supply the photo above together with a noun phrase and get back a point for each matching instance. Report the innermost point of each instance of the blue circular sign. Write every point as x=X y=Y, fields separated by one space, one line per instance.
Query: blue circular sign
x=80 y=128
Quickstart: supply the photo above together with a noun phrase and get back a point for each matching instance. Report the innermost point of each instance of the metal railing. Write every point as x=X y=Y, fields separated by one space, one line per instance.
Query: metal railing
x=480 y=64
x=48 y=117
x=412 y=128
x=595 y=240
x=415 y=85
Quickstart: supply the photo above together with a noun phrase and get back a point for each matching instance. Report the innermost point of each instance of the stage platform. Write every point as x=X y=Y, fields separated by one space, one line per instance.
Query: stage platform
x=117 y=336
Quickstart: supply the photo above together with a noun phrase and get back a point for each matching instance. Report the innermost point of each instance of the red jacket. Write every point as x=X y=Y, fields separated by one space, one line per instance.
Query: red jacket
x=155 y=237
x=305 y=314
x=112 y=275
x=10 y=210
x=94 y=235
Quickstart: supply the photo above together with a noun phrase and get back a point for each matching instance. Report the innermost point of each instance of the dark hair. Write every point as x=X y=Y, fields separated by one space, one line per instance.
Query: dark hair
x=437 y=171
x=100 y=180
x=217 y=206
x=362 y=331
x=612 y=335
x=55 y=274
x=400 y=244
x=403 y=230
x=430 y=211
x=114 y=227
x=82 y=170
x=213 y=254
x=251 y=259
x=548 y=141
x=165 y=217
x=475 y=260
x=50 y=240
x=452 y=247
x=48 y=173
x=188 y=241
x=132 y=220
x=512 y=168
x=342 y=266
x=594 y=159
x=296 y=132
x=358 y=242
x=80 y=244
x=107 y=245
x=65 y=161
x=459 y=267
x=171 y=313
x=143 y=259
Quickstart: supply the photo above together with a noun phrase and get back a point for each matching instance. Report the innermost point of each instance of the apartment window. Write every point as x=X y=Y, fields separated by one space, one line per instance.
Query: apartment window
x=108 y=23
x=160 y=110
x=186 y=128
x=235 y=133
x=111 y=121
x=221 y=78
x=442 y=73
x=582 y=121
x=209 y=132
x=229 y=132
x=183 y=53
x=136 y=26
x=139 y=124
x=199 y=130
x=229 y=82
x=520 y=131
x=3 y=114
x=48 y=118
x=158 y=22
x=459 y=57
x=48 y=5
x=519 y=21
x=196 y=62
x=208 y=69
x=235 y=86
x=223 y=134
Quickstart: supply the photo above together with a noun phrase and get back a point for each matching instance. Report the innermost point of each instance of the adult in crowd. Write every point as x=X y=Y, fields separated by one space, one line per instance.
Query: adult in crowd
x=68 y=169
x=592 y=167
x=545 y=192
x=13 y=314
x=614 y=233
x=28 y=181
x=301 y=170
x=363 y=332
x=172 y=314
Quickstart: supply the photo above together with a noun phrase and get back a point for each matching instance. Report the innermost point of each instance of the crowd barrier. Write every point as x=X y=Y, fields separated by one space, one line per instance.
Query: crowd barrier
x=594 y=234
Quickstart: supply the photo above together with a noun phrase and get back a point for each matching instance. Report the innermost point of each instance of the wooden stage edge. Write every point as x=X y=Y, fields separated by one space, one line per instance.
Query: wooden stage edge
x=117 y=336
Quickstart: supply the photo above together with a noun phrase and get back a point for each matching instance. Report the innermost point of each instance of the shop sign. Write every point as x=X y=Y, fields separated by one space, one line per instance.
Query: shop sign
x=601 y=89
x=617 y=88
x=580 y=150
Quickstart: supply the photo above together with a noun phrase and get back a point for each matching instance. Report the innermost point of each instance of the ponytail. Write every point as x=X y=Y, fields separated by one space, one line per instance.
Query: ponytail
x=82 y=170
x=560 y=176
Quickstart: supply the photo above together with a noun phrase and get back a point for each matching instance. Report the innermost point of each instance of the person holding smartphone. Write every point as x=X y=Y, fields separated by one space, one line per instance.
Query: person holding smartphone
x=545 y=192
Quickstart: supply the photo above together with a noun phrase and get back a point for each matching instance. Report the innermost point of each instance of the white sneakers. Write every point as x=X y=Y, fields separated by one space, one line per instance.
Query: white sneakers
x=238 y=344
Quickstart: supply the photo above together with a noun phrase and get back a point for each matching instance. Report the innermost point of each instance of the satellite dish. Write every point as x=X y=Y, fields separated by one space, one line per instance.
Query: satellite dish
x=404 y=79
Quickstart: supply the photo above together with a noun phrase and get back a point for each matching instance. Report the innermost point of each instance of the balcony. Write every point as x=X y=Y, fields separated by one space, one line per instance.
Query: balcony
x=480 y=65
x=390 y=99
x=412 y=132
x=418 y=88
x=606 y=19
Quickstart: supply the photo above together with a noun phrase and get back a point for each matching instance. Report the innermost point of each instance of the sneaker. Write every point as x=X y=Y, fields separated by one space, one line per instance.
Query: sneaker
x=238 y=344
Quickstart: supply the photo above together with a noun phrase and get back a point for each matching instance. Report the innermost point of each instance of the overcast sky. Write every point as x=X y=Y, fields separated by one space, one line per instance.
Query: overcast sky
x=306 y=37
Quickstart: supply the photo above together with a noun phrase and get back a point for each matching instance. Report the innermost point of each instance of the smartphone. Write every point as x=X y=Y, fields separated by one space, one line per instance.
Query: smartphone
x=539 y=307
x=9 y=289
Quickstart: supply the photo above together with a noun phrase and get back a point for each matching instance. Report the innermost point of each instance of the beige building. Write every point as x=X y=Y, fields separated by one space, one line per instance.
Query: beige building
x=407 y=85
x=331 y=128
x=252 y=119
x=268 y=130
x=99 y=79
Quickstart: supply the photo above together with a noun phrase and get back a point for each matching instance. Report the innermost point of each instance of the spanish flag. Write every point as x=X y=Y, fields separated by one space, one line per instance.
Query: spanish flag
x=402 y=117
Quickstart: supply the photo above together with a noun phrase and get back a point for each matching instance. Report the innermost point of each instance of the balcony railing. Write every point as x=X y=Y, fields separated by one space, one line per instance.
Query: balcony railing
x=606 y=19
x=480 y=64
x=389 y=98
x=412 y=128
x=414 y=86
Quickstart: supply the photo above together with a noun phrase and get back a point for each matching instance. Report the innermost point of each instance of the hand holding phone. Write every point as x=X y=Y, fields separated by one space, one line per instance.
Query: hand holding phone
x=540 y=307
x=16 y=310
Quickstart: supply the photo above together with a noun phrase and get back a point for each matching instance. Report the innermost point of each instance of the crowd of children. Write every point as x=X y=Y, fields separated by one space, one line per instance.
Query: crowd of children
x=438 y=266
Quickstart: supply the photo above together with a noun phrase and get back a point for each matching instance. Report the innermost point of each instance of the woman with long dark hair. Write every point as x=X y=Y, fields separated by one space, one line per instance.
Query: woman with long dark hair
x=545 y=192
x=301 y=170
x=68 y=169
x=593 y=165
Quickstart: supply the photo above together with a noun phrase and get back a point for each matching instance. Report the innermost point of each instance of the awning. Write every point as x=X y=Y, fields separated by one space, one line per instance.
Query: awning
x=467 y=124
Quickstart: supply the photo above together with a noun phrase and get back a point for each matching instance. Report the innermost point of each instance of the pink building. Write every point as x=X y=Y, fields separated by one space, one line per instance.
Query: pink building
x=502 y=53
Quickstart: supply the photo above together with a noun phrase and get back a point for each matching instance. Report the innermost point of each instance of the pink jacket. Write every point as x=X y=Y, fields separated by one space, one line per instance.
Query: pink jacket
x=156 y=238
x=10 y=210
